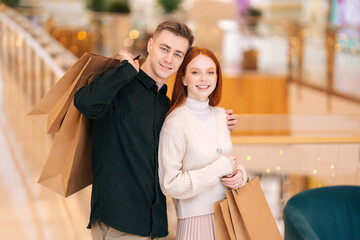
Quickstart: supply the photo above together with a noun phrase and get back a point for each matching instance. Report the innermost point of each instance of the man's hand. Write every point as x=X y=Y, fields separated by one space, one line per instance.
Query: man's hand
x=231 y=119
x=124 y=55
x=235 y=180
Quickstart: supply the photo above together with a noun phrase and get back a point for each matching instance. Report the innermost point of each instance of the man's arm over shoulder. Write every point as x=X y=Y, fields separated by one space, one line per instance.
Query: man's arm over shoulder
x=231 y=119
x=94 y=100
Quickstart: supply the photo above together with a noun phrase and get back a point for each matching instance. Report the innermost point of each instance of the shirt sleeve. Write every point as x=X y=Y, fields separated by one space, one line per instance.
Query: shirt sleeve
x=94 y=100
x=183 y=185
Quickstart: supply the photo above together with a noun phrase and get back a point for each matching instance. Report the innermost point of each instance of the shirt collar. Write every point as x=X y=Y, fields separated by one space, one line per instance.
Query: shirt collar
x=148 y=82
x=146 y=79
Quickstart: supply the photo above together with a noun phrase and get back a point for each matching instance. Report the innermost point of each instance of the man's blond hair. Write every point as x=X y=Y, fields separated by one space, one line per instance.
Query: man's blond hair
x=178 y=28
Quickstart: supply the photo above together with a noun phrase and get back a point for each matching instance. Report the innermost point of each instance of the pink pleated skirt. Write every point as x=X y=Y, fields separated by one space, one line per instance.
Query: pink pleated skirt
x=196 y=228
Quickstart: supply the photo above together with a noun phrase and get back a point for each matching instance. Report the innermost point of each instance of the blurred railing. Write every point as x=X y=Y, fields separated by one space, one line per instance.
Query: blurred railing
x=340 y=58
x=31 y=62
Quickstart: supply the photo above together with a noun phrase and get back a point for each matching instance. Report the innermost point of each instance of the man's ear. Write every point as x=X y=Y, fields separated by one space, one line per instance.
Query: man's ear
x=149 y=45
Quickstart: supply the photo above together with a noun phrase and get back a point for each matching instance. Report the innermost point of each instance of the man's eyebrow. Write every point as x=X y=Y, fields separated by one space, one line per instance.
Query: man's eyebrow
x=167 y=46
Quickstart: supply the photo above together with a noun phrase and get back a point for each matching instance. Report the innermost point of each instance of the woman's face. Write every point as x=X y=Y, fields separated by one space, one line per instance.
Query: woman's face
x=200 y=78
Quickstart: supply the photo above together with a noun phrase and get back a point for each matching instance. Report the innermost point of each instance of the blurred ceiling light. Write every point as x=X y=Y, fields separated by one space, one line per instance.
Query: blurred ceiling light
x=338 y=48
x=343 y=36
x=134 y=34
x=82 y=35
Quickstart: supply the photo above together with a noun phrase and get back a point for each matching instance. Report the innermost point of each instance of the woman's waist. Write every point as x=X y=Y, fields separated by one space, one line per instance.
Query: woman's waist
x=201 y=204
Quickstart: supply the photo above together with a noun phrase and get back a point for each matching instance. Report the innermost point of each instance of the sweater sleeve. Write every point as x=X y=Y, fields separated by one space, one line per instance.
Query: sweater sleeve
x=94 y=100
x=183 y=185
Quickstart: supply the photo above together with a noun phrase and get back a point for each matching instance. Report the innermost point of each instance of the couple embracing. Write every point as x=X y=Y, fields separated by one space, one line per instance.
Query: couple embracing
x=145 y=146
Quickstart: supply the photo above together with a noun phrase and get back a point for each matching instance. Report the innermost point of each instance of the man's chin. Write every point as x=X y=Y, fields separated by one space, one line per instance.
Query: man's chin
x=165 y=75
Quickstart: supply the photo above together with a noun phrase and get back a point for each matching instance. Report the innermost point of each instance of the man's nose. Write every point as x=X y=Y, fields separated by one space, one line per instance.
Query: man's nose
x=168 y=58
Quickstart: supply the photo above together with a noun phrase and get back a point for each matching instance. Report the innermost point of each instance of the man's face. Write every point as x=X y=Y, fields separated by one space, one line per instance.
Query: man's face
x=166 y=53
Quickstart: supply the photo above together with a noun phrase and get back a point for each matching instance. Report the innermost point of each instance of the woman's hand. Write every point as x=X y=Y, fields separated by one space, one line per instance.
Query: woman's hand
x=235 y=180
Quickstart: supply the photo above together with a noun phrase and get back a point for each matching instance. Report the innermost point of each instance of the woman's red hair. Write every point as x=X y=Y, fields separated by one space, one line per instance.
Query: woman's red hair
x=179 y=93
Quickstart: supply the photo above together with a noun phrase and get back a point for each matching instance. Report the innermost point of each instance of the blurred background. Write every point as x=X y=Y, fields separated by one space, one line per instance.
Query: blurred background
x=291 y=74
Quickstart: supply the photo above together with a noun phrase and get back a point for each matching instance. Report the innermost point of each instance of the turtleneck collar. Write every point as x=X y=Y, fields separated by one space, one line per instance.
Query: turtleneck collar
x=197 y=106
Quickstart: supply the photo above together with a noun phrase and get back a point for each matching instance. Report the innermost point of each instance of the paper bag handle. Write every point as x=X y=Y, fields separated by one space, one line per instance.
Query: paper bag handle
x=247 y=181
x=112 y=57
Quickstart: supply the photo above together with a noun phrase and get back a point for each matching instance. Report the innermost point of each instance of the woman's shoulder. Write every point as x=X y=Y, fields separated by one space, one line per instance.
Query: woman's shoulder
x=175 y=123
x=218 y=110
x=176 y=116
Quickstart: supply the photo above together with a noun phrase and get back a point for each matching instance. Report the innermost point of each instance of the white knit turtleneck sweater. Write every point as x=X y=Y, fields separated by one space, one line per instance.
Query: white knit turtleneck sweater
x=204 y=116
x=193 y=143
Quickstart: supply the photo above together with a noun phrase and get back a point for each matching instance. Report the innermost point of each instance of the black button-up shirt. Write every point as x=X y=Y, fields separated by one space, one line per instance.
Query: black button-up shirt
x=127 y=113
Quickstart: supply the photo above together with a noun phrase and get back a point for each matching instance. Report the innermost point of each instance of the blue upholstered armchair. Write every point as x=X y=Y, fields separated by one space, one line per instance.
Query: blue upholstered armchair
x=325 y=213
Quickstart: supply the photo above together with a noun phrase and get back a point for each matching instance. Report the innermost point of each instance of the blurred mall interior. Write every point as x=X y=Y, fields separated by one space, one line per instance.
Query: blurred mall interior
x=291 y=74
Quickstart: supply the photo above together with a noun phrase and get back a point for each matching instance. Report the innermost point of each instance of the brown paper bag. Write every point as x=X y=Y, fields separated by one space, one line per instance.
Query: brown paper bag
x=255 y=212
x=227 y=218
x=67 y=168
x=238 y=223
x=220 y=225
x=51 y=109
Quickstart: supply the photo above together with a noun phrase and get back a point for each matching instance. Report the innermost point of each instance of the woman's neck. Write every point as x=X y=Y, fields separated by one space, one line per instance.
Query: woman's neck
x=197 y=106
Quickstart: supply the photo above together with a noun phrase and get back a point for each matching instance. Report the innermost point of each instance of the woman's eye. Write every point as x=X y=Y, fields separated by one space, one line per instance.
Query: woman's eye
x=211 y=72
x=194 y=72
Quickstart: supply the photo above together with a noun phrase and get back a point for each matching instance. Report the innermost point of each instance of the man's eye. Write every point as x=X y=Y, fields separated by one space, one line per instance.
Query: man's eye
x=178 y=55
x=164 y=49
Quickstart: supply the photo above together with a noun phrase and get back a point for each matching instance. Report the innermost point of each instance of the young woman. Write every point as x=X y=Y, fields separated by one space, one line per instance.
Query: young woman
x=196 y=165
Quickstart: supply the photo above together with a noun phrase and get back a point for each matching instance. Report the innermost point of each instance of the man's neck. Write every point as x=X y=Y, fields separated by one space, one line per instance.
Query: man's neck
x=146 y=68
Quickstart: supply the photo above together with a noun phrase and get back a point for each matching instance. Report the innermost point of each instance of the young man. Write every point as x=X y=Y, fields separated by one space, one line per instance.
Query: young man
x=127 y=106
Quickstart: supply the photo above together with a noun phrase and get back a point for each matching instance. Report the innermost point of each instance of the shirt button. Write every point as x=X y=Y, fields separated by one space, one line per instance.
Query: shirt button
x=219 y=151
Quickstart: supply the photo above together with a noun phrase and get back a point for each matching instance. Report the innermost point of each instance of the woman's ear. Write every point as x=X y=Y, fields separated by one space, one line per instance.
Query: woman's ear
x=184 y=82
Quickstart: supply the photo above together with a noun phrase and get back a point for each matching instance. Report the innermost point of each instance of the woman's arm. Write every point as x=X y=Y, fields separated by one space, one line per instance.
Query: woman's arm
x=182 y=185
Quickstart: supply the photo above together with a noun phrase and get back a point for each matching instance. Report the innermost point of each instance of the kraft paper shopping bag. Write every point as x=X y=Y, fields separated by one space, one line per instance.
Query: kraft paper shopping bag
x=255 y=212
x=67 y=168
x=220 y=226
x=51 y=109
x=237 y=221
x=227 y=218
